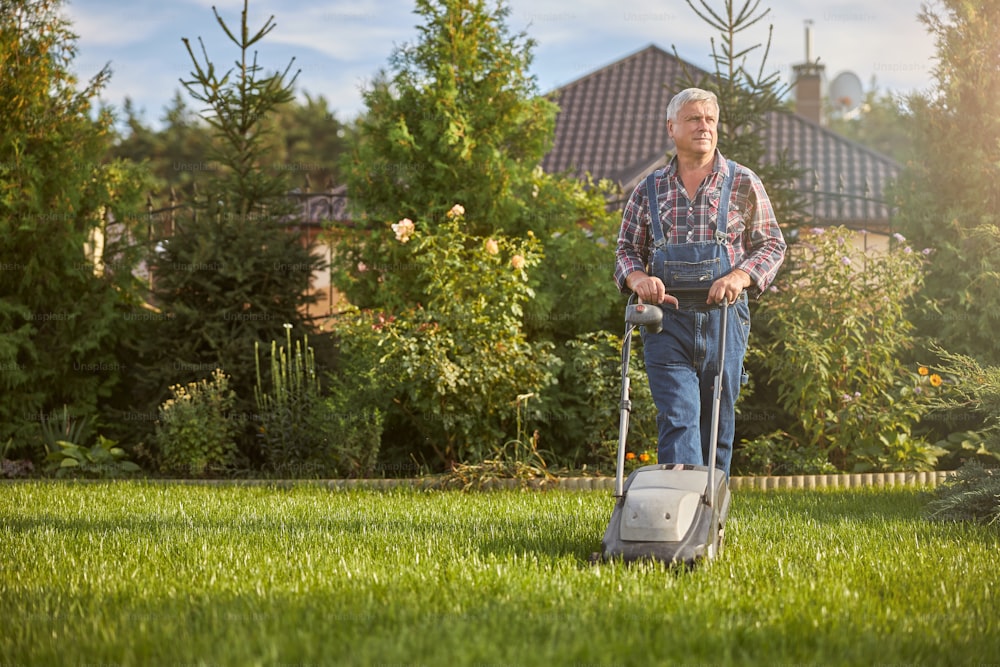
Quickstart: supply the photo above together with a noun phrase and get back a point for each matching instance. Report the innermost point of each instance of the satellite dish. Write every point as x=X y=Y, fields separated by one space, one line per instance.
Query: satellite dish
x=846 y=93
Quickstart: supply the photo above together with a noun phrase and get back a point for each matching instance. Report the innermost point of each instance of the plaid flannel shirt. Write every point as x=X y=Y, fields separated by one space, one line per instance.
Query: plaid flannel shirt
x=756 y=244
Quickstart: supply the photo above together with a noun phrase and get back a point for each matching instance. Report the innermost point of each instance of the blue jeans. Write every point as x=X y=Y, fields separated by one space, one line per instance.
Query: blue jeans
x=681 y=365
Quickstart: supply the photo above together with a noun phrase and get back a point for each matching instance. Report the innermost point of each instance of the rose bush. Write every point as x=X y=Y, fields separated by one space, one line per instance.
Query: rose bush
x=451 y=367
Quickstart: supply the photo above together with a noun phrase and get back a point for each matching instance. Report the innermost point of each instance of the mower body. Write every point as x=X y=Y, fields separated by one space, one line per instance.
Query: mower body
x=664 y=514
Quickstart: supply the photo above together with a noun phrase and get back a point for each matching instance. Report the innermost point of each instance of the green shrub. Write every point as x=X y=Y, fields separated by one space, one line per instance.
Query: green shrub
x=303 y=432
x=778 y=454
x=580 y=414
x=839 y=334
x=973 y=494
x=354 y=435
x=196 y=430
x=103 y=460
x=455 y=364
x=970 y=396
x=65 y=439
x=64 y=427
x=360 y=392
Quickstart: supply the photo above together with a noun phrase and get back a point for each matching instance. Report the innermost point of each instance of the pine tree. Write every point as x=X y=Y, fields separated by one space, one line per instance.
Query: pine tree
x=747 y=96
x=237 y=270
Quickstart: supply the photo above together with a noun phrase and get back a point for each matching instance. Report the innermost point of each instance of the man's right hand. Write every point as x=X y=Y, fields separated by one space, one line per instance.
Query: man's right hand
x=649 y=289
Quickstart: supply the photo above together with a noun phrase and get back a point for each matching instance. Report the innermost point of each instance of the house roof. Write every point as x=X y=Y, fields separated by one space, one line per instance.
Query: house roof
x=611 y=124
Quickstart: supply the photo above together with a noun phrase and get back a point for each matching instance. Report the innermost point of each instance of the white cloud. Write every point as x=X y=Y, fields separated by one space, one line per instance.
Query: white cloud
x=349 y=35
x=342 y=44
x=113 y=25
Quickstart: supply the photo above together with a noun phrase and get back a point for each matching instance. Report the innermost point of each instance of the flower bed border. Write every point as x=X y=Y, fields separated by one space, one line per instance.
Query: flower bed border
x=765 y=483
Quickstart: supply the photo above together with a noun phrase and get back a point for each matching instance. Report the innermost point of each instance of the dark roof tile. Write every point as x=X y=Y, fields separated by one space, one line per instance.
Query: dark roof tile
x=611 y=124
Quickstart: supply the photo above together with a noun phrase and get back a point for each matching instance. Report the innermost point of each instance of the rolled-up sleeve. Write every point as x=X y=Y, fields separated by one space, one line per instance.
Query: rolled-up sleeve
x=764 y=243
x=632 y=253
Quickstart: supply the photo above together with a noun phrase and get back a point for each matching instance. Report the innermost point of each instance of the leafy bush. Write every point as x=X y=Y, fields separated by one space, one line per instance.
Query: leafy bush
x=579 y=416
x=65 y=439
x=457 y=362
x=352 y=435
x=196 y=430
x=302 y=431
x=777 y=453
x=573 y=290
x=840 y=375
x=64 y=427
x=102 y=460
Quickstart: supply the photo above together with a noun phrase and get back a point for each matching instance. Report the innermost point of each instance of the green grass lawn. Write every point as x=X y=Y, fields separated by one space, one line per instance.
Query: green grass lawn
x=161 y=574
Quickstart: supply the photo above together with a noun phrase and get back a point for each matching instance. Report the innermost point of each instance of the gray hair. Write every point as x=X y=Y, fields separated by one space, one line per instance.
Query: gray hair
x=690 y=95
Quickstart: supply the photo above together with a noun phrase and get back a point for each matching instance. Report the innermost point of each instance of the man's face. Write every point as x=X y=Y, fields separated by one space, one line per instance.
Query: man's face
x=695 y=132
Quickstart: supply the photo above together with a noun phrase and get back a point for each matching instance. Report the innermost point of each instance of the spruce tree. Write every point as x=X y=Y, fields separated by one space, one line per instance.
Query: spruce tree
x=747 y=96
x=237 y=269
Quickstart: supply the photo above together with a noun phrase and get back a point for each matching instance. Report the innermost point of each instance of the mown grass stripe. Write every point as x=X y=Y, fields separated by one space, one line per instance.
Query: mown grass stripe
x=154 y=573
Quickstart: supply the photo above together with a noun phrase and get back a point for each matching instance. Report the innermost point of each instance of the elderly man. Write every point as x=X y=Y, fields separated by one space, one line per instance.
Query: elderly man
x=703 y=221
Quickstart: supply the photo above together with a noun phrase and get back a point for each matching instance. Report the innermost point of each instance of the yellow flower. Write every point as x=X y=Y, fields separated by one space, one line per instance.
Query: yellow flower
x=936 y=380
x=923 y=370
x=644 y=457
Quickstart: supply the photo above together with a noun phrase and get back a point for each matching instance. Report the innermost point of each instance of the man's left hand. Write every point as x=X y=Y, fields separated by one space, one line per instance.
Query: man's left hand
x=729 y=286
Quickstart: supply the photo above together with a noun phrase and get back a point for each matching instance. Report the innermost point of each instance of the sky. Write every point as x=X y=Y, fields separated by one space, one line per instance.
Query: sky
x=340 y=45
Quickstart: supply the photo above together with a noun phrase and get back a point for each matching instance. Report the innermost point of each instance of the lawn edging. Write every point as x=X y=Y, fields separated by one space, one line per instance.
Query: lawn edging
x=764 y=483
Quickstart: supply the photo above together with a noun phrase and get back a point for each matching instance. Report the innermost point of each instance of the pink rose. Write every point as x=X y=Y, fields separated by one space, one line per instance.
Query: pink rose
x=404 y=230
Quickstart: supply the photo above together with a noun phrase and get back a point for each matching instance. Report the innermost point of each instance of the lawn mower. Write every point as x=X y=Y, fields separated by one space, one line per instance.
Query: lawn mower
x=667 y=512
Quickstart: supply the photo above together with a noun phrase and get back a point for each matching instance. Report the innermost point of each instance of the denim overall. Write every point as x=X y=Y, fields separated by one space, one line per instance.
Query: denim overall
x=681 y=359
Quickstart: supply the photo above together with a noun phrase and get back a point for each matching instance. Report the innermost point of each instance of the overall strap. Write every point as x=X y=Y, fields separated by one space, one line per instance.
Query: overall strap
x=727 y=192
x=659 y=240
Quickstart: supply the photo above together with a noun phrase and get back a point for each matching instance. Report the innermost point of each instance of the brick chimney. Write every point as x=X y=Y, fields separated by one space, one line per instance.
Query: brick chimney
x=809 y=83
